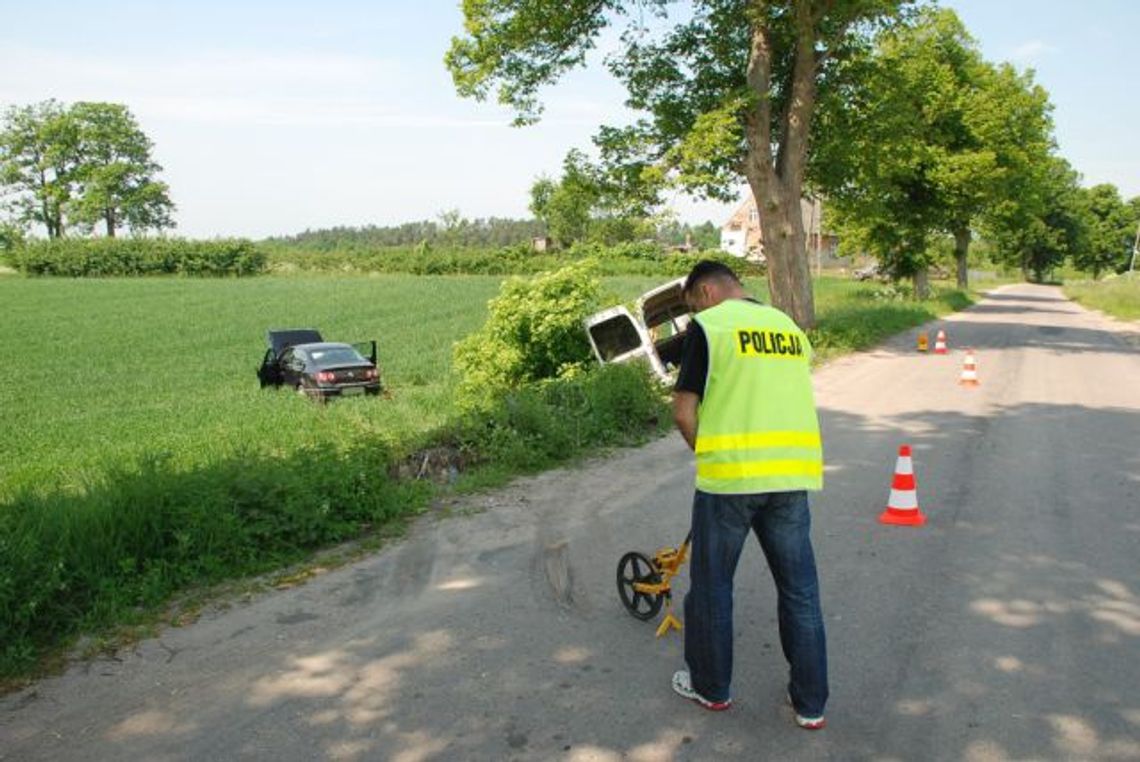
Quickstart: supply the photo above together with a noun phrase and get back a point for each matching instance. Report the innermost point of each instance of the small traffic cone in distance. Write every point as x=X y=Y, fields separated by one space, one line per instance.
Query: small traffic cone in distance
x=969 y=370
x=940 y=343
x=902 y=506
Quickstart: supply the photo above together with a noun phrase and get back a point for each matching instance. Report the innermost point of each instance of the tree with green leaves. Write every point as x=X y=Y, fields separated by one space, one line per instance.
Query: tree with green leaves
x=566 y=206
x=1047 y=223
x=1112 y=232
x=117 y=176
x=727 y=88
x=927 y=139
x=581 y=206
x=81 y=165
x=39 y=161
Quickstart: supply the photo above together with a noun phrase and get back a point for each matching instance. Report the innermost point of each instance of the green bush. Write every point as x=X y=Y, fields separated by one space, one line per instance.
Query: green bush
x=534 y=331
x=95 y=257
x=11 y=237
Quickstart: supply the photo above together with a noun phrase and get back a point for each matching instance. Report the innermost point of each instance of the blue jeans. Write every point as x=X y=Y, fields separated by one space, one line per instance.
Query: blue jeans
x=782 y=524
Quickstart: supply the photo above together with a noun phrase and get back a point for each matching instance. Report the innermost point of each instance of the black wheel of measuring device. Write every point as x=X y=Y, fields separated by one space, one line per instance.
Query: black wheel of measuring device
x=636 y=567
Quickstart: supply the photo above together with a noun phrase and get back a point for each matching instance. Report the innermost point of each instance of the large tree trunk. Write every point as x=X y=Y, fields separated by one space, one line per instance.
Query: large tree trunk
x=961 y=249
x=922 y=283
x=785 y=248
x=777 y=179
x=46 y=207
x=109 y=217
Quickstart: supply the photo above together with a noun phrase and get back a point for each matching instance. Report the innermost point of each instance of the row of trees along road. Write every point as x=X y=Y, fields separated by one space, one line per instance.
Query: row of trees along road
x=77 y=166
x=887 y=109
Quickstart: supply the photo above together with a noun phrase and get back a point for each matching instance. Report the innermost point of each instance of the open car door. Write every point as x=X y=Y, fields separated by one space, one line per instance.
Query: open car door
x=366 y=349
x=269 y=372
x=666 y=318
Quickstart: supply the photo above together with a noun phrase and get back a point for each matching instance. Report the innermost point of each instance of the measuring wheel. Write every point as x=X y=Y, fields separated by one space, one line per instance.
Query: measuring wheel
x=636 y=567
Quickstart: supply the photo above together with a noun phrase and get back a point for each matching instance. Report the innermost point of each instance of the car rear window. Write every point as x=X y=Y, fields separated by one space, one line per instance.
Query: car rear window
x=336 y=356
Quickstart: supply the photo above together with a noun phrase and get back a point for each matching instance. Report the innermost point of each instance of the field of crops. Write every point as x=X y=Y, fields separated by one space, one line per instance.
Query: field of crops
x=105 y=372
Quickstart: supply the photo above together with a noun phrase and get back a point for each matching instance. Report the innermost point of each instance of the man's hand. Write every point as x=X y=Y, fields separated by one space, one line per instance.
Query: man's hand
x=685 y=406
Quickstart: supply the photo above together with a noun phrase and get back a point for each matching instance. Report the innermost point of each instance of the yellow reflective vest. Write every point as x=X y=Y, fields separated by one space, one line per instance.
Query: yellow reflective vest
x=757 y=429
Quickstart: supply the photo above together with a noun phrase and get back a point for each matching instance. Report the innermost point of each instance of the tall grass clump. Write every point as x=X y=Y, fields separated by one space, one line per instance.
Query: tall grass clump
x=1118 y=296
x=72 y=562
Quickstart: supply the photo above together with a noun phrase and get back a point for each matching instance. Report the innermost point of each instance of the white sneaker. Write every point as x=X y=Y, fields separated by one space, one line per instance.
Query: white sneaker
x=683 y=685
x=807 y=723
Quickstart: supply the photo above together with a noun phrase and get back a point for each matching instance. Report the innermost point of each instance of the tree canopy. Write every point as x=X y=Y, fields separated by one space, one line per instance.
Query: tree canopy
x=1112 y=231
x=928 y=139
x=77 y=166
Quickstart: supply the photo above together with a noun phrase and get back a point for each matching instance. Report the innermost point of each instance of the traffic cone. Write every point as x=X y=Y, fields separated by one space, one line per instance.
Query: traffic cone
x=969 y=370
x=902 y=507
x=940 y=343
x=923 y=342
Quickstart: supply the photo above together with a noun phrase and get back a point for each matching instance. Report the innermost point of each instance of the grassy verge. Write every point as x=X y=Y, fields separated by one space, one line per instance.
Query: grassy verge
x=1119 y=297
x=142 y=459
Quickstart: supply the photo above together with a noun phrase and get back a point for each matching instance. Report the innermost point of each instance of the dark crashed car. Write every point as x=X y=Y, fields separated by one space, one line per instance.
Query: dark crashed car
x=300 y=359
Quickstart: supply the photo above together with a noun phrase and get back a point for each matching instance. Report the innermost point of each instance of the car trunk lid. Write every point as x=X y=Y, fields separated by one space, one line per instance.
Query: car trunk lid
x=280 y=340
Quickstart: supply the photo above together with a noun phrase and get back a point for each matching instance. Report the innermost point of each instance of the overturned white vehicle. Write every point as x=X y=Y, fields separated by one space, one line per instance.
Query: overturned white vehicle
x=655 y=334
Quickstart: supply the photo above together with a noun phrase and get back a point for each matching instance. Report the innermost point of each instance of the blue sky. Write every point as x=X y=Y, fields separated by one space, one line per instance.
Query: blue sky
x=270 y=118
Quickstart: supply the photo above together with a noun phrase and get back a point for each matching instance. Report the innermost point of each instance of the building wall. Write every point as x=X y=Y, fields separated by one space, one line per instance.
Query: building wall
x=741 y=234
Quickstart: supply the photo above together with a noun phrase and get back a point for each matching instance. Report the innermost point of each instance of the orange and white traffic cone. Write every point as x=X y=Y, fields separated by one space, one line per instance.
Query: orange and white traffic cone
x=969 y=370
x=902 y=507
x=940 y=343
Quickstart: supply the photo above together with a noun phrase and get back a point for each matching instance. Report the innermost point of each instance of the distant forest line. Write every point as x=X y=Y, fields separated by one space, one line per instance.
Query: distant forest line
x=451 y=230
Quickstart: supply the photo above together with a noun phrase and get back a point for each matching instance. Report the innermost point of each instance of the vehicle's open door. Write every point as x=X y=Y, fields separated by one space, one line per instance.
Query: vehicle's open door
x=666 y=317
x=269 y=374
x=366 y=349
x=615 y=336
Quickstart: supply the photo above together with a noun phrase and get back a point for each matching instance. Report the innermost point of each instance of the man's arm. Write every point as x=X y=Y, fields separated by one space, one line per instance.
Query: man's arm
x=685 y=415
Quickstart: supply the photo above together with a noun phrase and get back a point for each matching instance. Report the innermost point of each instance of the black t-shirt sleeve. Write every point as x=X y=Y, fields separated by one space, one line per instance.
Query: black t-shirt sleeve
x=694 y=361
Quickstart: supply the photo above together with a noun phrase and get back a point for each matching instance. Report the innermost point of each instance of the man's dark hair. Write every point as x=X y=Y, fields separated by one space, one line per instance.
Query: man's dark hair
x=708 y=269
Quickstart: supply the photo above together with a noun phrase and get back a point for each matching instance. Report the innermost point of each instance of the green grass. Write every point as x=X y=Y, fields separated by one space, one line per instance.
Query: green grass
x=140 y=457
x=1119 y=297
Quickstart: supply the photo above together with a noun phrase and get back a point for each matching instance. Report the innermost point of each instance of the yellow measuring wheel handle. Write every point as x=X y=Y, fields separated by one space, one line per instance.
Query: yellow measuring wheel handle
x=652 y=588
x=670 y=622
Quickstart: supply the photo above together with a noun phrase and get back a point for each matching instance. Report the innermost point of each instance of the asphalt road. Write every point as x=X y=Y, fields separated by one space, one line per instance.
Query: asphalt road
x=1007 y=628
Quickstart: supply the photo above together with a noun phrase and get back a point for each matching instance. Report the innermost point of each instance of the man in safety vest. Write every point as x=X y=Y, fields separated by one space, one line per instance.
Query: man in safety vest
x=743 y=401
